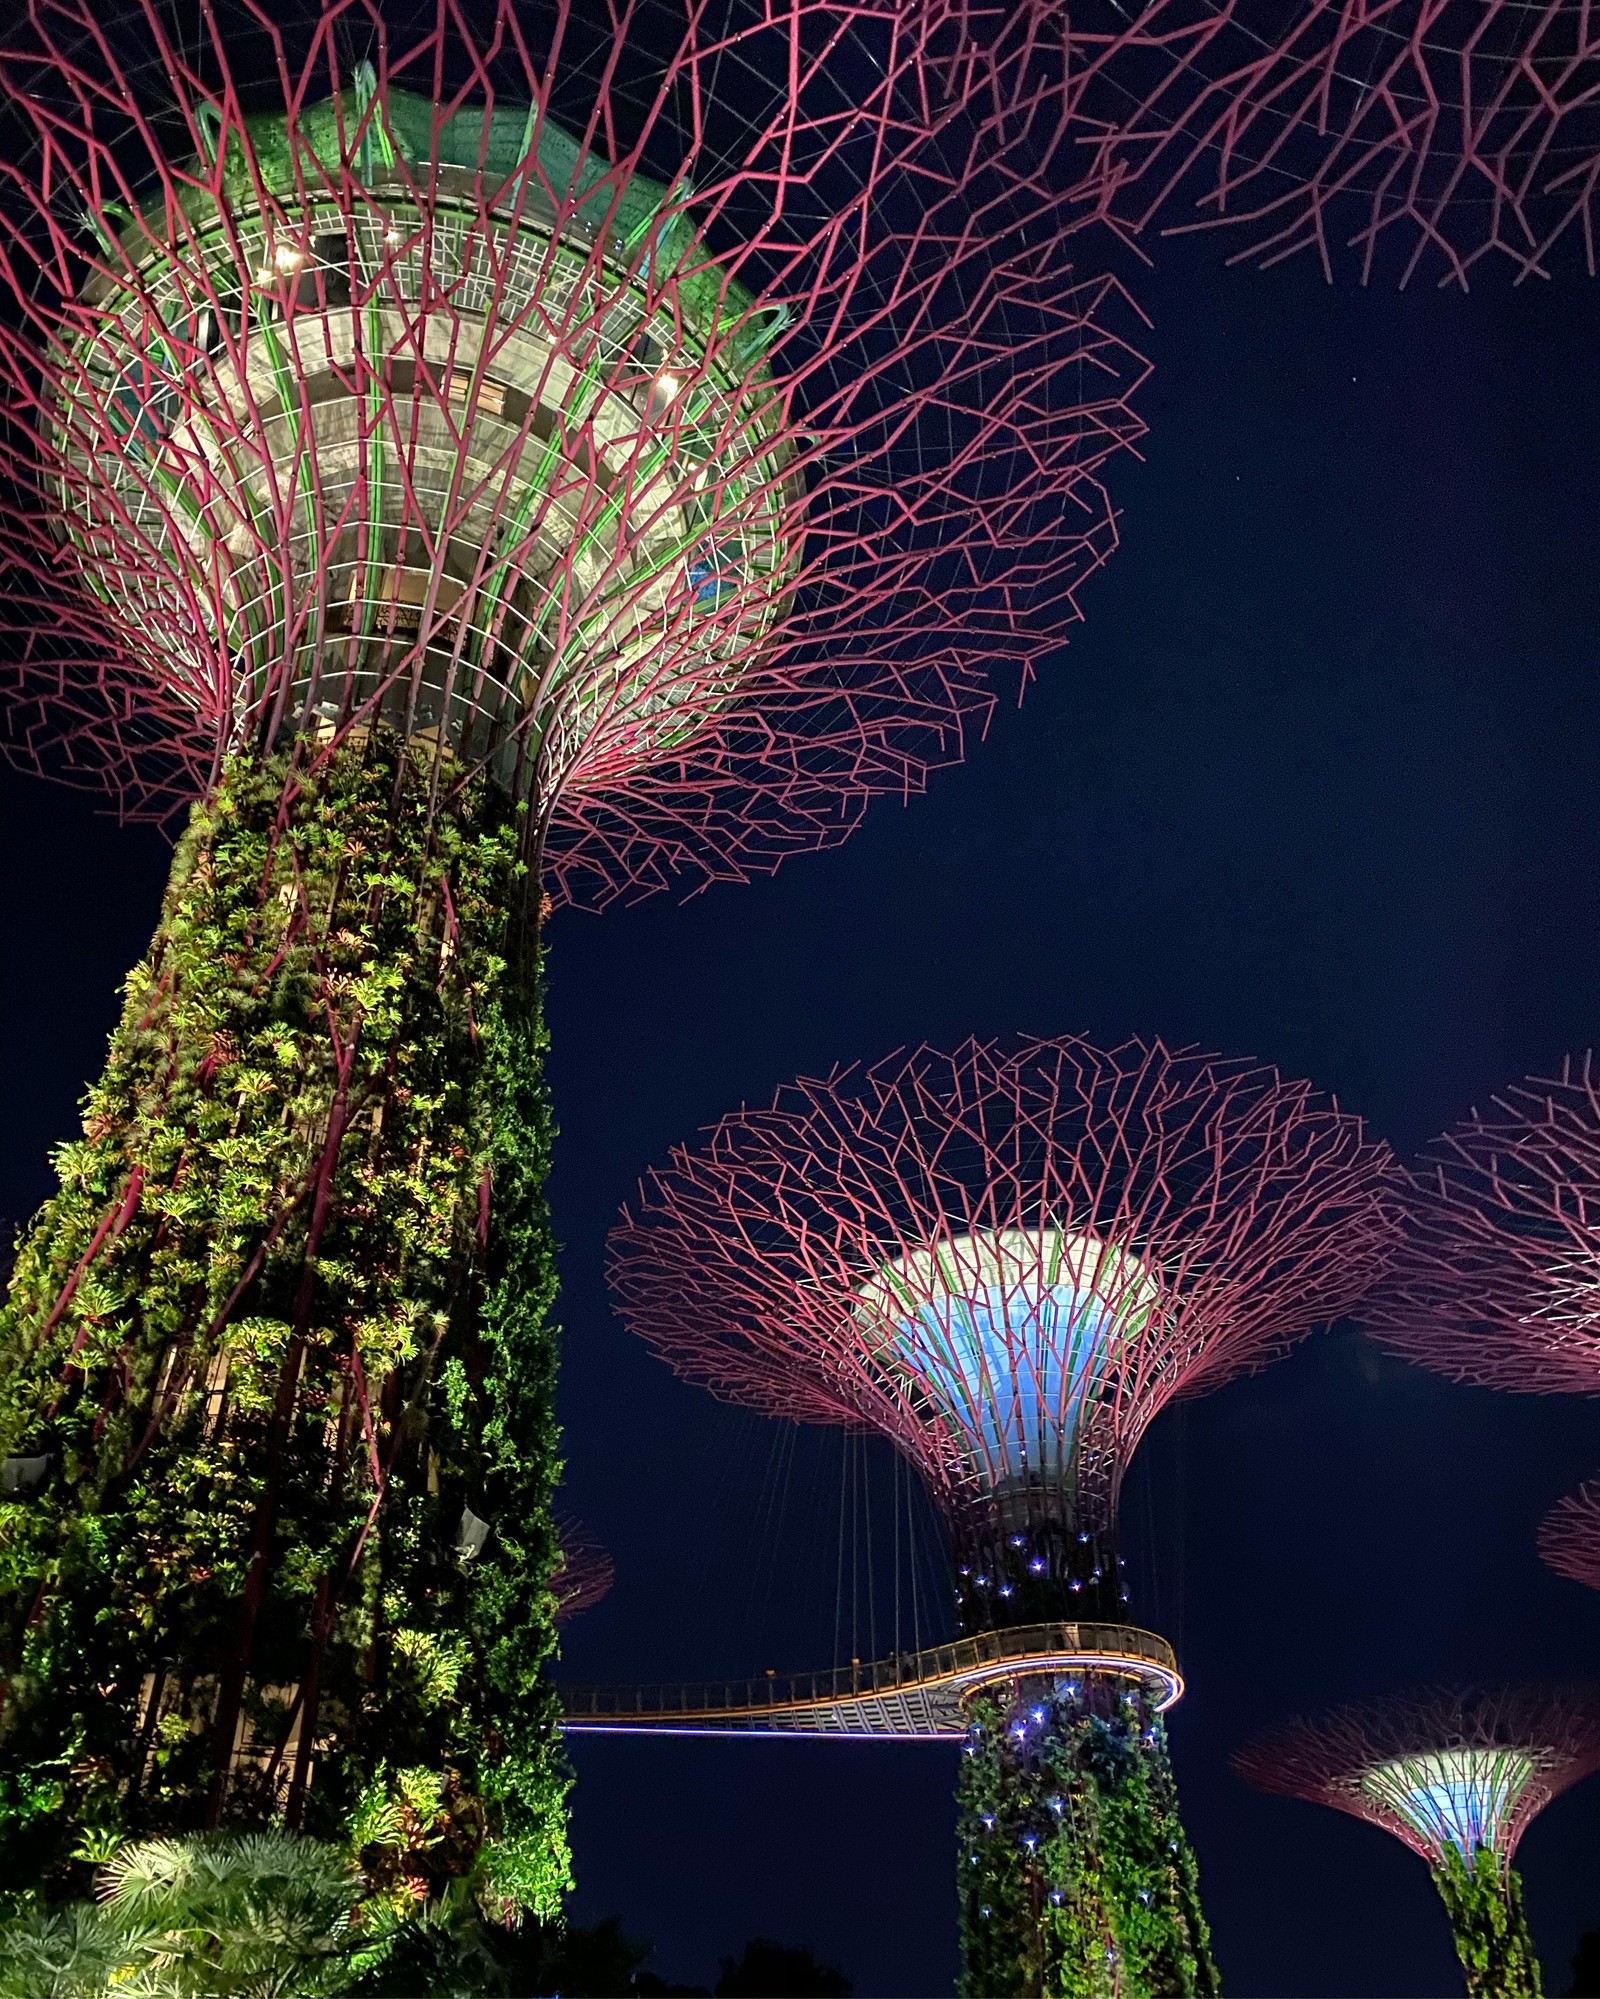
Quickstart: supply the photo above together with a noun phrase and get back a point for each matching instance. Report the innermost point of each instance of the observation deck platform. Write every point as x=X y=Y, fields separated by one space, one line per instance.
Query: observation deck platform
x=913 y=1695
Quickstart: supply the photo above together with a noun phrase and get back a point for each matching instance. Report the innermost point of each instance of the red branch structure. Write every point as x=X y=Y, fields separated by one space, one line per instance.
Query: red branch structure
x=1569 y=1535
x=585 y=1572
x=1495 y=1281
x=1007 y=1263
x=683 y=414
x=1440 y=1768
x=1424 y=135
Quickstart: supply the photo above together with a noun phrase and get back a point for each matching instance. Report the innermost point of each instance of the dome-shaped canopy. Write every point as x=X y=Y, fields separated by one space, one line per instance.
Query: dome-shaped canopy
x=439 y=419
x=1013 y=1334
x=1461 y=1798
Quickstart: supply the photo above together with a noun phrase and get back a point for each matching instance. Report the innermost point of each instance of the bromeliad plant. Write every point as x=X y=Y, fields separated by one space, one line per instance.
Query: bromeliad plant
x=277 y=1374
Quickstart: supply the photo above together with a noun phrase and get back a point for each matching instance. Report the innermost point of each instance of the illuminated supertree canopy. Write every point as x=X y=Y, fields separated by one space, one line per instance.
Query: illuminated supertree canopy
x=1405 y=136
x=1007 y=1263
x=683 y=435
x=584 y=1573
x=486 y=455
x=1458 y=1777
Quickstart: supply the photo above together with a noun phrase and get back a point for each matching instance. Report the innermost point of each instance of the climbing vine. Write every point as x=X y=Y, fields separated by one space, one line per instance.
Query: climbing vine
x=277 y=1365
x=1484 y=1898
x=1077 y=1881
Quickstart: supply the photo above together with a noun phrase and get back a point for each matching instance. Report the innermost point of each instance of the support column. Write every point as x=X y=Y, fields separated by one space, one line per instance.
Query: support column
x=1076 y=1878
x=1484 y=1898
x=280 y=1343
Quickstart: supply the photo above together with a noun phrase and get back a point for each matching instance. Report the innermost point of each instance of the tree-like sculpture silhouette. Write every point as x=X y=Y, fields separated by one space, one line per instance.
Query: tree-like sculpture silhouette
x=1459 y=1777
x=482 y=457
x=675 y=423
x=1007 y=1263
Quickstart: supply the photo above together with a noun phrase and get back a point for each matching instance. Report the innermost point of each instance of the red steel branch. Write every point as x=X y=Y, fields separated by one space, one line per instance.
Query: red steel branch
x=585 y=1573
x=925 y=394
x=1569 y=1535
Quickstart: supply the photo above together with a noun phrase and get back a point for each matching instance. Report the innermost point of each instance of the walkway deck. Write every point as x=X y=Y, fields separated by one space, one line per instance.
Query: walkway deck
x=914 y=1695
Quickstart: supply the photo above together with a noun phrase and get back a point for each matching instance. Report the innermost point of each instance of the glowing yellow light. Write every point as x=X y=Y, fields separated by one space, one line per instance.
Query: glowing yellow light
x=667 y=387
x=288 y=258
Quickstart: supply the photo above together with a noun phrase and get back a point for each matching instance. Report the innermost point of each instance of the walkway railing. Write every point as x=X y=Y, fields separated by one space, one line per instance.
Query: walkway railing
x=909 y=1682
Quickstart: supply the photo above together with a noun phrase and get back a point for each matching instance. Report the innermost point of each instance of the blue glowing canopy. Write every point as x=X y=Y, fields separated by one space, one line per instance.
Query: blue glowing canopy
x=1013 y=1336
x=1461 y=1798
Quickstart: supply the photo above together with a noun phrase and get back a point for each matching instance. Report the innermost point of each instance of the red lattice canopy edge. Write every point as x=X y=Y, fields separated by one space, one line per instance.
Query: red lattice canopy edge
x=585 y=1572
x=1569 y=1535
x=1418 y=135
x=1497 y=1278
x=686 y=419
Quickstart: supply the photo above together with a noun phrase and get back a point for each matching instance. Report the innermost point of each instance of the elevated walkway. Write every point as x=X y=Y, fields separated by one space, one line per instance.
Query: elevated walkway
x=913 y=1695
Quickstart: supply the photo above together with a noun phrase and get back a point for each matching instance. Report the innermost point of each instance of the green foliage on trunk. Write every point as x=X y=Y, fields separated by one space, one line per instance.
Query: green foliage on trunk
x=1076 y=1879
x=282 y=1337
x=1484 y=1898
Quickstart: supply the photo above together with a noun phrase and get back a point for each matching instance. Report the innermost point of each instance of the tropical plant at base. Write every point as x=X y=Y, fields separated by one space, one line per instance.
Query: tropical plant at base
x=1484 y=1900
x=1076 y=1878
x=214 y=1916
x=276 y=1366
x=65 y=1951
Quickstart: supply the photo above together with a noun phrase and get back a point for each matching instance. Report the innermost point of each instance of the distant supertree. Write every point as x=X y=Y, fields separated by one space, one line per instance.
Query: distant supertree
x=583 y=1574
x=484 y=451
x=1006 y=1264
x=1421 y=134
x=1495 y=1279
x=1459 y=1777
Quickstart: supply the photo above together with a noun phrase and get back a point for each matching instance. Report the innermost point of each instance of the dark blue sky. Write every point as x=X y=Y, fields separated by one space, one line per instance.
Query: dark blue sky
x=1316 y=782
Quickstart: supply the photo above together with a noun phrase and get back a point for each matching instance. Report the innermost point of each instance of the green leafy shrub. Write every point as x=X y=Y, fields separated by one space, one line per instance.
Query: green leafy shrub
x=262 y=1915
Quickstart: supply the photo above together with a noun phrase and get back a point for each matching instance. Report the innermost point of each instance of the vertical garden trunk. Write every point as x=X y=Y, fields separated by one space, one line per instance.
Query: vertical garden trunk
x=1484 y=1898
x=1076 y=1878
x=276 y=1366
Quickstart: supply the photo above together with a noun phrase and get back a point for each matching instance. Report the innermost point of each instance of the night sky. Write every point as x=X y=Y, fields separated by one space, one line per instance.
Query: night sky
x=1315 y=782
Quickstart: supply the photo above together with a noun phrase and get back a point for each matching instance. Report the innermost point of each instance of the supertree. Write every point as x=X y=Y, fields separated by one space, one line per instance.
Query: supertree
x=1007 y=1263
x=1459 y=1777
x=486 y=454
x=583 y=1574
x=1417 y=134
x=1494 y=1281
